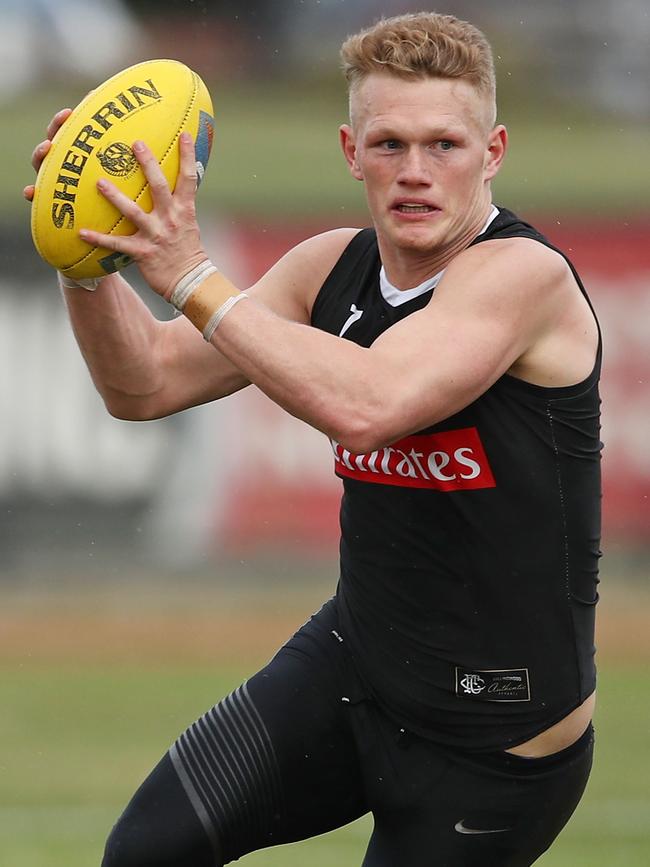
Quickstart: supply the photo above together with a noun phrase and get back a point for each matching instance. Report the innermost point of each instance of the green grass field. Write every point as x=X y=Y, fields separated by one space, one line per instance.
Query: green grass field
x=276 y=155
x=86 y=713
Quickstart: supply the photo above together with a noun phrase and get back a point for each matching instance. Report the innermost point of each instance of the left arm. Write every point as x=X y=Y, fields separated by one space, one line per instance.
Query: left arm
x=494 y=304
x=486 y=313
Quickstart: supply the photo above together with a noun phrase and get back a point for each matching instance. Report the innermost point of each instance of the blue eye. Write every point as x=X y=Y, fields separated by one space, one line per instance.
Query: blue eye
x=446 y=145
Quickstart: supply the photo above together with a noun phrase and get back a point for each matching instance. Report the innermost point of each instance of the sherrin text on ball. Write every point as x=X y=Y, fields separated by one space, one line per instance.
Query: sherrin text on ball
x=154 y=101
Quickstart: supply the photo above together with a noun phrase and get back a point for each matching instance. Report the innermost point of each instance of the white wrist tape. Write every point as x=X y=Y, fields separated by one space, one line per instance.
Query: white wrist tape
x=90 y=283
x=187 y=284
x=217 y=316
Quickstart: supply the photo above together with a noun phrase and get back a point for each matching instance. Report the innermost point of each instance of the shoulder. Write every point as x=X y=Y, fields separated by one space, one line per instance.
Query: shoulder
x=291 y=285
x=323 y=250
x=526 y=290
x=523 y=294
x=509 y=269
x=523 y=255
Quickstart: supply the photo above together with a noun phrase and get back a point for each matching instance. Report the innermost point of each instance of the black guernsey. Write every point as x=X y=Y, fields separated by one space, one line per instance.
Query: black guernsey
x=469 y=550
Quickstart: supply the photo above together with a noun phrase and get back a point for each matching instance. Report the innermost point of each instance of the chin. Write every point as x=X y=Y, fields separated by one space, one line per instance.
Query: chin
x=416 y=237
x=414 y=234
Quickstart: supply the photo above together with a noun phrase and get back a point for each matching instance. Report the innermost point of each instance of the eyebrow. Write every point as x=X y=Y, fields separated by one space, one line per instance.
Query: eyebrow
x=388 y=131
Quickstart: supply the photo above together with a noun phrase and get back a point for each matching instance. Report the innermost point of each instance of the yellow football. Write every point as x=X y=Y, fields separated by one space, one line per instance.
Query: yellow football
x=154 y=101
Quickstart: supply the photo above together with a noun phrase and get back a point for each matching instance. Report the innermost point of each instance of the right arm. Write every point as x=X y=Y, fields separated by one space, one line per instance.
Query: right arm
x=144 y=368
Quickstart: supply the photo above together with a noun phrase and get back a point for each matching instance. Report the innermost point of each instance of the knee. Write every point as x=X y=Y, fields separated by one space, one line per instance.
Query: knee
x=125 y=847
x=136 y=843
x=159 y=828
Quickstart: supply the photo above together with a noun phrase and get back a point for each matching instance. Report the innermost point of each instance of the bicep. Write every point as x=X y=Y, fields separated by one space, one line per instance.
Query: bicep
x=441 y=363
x=487 y=314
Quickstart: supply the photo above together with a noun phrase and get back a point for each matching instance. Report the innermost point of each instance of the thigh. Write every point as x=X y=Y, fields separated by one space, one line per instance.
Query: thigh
x=273 y=762
x=445 y=810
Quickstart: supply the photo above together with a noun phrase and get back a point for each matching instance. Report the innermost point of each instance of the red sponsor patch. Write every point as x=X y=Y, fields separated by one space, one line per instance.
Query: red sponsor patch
x=450 y=461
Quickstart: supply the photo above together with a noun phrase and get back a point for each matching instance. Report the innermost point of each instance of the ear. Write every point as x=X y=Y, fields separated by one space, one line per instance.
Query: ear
x=349 y=148
x=496 y=151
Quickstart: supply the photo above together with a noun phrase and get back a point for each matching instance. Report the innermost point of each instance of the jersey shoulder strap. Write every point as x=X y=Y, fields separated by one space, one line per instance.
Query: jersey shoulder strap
x=358 y=265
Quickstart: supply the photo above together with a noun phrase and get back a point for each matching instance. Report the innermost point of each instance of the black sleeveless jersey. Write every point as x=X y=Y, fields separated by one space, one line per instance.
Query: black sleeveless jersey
x=469 y=550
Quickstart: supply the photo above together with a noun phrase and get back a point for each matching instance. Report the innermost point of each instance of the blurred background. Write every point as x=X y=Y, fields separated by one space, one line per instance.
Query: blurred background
x=146 y=568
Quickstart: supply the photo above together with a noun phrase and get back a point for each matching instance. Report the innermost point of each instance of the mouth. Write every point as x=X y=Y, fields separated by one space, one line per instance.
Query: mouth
x=414 y=209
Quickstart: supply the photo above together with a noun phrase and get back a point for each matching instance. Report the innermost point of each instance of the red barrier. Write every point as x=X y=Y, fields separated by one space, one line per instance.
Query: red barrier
x=271 y=503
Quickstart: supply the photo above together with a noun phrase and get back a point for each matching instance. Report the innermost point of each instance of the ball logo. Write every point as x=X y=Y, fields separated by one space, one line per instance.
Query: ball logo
x=118 y=160
x=114 y=262
x=72 y=167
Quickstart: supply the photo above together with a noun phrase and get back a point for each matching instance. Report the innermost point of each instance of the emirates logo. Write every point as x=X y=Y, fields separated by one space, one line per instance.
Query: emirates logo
x=118 y=160
x=446 y=461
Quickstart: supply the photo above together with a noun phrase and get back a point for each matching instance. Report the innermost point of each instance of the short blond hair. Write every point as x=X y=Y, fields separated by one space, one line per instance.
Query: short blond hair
x=421 y=45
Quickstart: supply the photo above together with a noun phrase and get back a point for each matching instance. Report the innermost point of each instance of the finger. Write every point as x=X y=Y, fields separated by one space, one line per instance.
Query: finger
x=160 y=192
x=126 y=206
x=28 y=193
x=39 y=153
x=187 y=181
x=127 y=244
x=57 y=122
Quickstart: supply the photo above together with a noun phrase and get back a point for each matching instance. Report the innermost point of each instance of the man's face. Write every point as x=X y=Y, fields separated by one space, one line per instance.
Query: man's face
x=426 y=151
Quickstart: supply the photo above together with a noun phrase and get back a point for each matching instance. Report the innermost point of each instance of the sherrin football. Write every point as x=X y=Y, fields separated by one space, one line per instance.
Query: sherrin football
x=154 y=101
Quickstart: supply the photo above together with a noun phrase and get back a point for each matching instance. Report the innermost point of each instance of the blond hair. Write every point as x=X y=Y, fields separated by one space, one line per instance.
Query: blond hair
x=421 y=45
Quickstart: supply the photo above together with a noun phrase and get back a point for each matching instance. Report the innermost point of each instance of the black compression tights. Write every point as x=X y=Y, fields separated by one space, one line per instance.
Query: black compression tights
x=297 y=751
x=160 y=827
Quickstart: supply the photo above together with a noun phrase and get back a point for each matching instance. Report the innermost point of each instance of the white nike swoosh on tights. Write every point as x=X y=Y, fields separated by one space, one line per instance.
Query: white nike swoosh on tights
x=460 y=827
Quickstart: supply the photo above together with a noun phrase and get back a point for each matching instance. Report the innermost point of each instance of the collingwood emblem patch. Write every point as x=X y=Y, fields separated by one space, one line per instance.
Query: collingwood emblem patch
x=510 y=684
x=118 y=160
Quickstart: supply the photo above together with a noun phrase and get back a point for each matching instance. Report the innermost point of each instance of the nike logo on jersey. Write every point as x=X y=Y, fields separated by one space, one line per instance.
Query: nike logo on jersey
x=463 y=829
x=355 y=315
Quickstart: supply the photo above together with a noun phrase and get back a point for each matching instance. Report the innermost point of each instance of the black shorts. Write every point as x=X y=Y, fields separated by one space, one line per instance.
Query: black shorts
x=301 y=749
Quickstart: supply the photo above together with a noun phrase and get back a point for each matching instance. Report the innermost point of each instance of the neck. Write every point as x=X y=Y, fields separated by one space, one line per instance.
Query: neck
x=407 y=267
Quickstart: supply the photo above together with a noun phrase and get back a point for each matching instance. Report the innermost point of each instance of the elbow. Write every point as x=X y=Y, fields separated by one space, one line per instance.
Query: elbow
x=379 y=423
x=364 y=443
x=364 y=433
x=130 y=408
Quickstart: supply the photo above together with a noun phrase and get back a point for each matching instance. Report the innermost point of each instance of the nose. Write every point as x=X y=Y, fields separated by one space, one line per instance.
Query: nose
x=414 y=168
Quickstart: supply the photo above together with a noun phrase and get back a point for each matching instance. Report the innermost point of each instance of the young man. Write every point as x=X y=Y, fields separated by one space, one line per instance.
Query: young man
x=452 y=357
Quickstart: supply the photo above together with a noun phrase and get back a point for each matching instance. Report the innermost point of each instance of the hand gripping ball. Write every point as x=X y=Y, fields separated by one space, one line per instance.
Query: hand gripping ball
x=154 y=101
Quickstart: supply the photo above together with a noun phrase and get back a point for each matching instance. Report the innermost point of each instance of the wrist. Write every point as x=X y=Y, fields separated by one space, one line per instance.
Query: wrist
x=204 y=296
x=89 y=283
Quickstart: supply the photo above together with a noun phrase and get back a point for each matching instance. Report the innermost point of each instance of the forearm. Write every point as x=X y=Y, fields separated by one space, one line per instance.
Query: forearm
x=364 y=398
x=317 y=377
x=116 y=334
x=167 y=248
